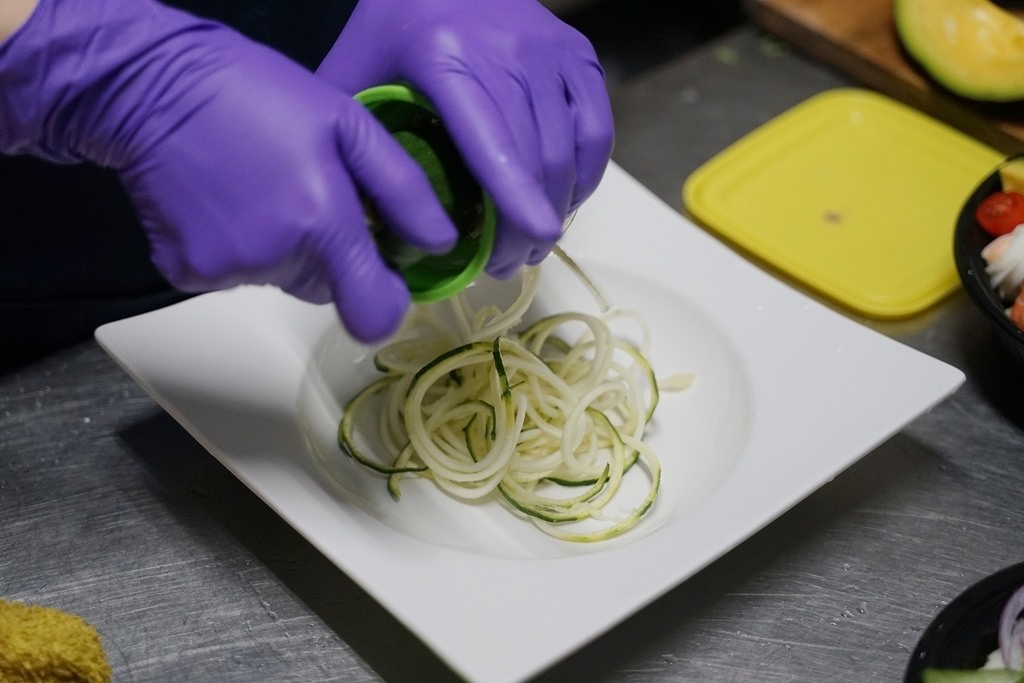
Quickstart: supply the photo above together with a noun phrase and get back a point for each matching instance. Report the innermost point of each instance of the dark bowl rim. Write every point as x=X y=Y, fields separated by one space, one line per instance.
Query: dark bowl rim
x=987 y=595
x=968 y=240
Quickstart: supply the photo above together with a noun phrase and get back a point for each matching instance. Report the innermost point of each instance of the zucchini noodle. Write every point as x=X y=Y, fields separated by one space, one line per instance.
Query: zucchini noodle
x=548 y=419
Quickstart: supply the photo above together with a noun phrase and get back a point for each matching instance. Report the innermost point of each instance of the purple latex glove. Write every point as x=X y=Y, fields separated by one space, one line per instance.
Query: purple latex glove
x=522 y=95
x=242 y=165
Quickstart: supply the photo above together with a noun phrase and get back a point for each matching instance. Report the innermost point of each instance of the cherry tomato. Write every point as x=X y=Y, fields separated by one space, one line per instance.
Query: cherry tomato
x=1000 y=212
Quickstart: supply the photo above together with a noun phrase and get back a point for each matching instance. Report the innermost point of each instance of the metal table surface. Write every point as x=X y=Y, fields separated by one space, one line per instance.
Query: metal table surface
x=109 y=510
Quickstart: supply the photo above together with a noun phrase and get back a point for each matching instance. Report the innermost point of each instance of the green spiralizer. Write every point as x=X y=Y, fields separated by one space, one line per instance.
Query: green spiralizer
x=414 y=123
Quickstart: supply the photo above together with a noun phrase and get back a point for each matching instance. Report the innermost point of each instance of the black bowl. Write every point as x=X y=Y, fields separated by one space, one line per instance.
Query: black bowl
x=968 y=241
x=964 y=632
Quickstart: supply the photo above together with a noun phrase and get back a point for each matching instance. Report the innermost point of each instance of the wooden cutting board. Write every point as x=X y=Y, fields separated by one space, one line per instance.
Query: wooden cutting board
x=859 y=38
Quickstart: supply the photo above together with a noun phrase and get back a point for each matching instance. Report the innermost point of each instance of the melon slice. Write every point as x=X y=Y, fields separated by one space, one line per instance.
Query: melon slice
x=973 y=48
x=1011 y=175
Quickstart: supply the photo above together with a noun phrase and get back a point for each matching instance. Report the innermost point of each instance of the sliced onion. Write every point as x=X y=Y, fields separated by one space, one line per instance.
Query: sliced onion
x=1005 y=262
x=1011 y=631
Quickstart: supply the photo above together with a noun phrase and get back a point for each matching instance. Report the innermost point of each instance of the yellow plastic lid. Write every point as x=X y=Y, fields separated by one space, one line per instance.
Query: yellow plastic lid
x=851 y=193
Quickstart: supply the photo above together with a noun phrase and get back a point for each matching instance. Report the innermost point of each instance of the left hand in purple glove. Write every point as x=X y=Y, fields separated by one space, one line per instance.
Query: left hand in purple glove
x=242 y=166
x=521 y=93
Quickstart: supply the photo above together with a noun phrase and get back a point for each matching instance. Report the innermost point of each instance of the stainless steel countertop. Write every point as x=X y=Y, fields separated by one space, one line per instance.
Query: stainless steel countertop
x=109 y=510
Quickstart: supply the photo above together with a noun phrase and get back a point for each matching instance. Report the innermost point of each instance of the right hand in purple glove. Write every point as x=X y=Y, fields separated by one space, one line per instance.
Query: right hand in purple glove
x=521 y=93
x=244 y=167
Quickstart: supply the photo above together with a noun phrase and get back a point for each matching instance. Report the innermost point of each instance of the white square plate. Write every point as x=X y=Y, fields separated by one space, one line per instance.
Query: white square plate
x=788 y=394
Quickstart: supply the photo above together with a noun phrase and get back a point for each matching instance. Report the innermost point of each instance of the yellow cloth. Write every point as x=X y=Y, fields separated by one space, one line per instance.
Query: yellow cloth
x=44 y=645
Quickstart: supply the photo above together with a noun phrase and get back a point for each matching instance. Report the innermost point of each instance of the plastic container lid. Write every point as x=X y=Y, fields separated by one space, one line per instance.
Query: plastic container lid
x=849 y=192
x=413 y=122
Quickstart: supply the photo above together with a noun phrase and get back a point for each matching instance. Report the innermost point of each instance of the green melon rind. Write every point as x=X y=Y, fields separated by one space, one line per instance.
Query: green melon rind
x=971 y=47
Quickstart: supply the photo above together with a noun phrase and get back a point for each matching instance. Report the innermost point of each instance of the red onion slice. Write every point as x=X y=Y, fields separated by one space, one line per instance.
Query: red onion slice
x=1011 y=631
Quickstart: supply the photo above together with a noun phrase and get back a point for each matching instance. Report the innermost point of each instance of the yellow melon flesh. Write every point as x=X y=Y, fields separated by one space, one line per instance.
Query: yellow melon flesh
x=1011 y=175
x=972 y=47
